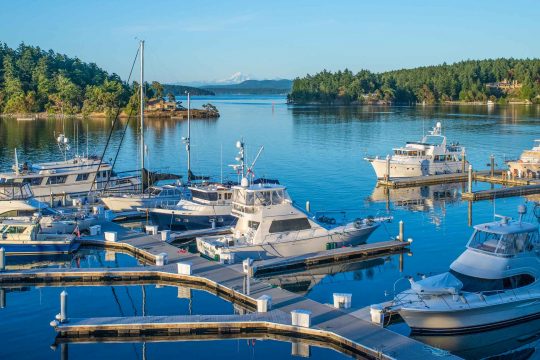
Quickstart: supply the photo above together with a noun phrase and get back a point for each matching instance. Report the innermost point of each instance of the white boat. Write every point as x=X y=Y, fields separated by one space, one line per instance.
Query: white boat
x=269 y=225
x=210 y=205
x=493 y=284
x=153 y=197
x=528 y=165
x=24 y=237
x=17 y=199
x=430 y=156
x=73 y=177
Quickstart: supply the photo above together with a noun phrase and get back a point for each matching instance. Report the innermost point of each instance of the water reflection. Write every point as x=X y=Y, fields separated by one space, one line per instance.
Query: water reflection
x=433 y=199
x=516 y=342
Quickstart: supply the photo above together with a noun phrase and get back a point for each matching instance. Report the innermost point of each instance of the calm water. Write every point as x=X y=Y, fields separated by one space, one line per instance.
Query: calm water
x=318 y=153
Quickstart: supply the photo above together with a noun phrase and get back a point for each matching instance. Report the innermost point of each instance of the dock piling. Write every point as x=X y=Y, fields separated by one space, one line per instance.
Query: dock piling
x=492 y=165
x=62 y=317
x=2 y=298
x=2 y=259
x=111 y=236
x=308 y=206
x=387 y=167
x=401 y=236
x=469 y=183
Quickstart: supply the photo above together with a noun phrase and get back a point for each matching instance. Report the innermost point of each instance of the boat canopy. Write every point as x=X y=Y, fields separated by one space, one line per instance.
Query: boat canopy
x=444 y=283
x=260 y=195
x=505 y=240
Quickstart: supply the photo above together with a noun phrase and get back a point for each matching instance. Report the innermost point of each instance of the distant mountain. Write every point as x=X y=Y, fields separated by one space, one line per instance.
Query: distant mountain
x=180 y=90
x=281 y=86
x=235 y=78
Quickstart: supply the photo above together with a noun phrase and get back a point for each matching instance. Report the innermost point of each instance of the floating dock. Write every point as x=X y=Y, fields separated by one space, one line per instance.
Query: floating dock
x=434 y=179
x=502 y=192
x=335 y=326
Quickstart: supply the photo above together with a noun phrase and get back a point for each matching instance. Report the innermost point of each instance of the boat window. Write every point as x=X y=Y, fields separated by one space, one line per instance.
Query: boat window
x=60 y=179
x=82 y=177
x=155 y=191
x=253 y=224
x=484 y=241
x=228 y=196
x=474 y=284
x=277 y=197
x=35 y=181
x=289 y=225
x=14 y=230
x=203 y=195
x=263 y=198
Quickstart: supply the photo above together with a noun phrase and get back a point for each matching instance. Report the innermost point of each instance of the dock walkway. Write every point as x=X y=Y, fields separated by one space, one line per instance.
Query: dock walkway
x=347 y=332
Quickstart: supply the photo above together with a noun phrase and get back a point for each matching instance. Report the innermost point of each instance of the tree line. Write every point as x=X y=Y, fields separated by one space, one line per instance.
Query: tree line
x=467 y=81
x=34 y=80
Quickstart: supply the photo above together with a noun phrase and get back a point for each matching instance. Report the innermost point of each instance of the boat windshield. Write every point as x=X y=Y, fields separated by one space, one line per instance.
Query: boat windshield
x=263 y=197
x=506 y=244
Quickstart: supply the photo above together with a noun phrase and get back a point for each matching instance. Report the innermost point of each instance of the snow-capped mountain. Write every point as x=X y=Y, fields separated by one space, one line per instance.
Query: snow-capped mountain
x=235 y=78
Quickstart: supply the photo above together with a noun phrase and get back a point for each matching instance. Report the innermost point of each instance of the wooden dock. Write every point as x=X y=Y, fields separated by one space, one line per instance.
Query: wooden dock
x=502 y=192
x=324 y=258
x=334 y=326
x=482 y=176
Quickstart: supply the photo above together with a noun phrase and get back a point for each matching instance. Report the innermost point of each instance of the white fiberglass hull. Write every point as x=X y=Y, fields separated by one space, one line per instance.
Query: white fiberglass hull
x=43 y=192
x=469 y=320
x=412 y=168
x=287 y=246
x=129 y=203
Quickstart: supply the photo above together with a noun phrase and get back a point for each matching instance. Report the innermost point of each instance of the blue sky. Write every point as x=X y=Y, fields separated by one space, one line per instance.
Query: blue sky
x=210 y=40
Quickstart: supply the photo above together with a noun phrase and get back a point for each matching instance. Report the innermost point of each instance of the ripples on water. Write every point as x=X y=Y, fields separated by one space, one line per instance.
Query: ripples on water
x=317 y=152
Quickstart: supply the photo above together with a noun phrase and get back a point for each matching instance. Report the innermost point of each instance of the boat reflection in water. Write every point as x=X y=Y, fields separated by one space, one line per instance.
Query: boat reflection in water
x=432 y=199
x=304 y=281
x=515 y=342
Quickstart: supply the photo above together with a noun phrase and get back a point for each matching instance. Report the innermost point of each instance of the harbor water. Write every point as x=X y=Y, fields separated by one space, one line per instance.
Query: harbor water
x=317 y=152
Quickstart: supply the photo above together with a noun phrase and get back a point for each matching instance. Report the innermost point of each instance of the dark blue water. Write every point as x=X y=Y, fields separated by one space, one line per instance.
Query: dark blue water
x=318 y=153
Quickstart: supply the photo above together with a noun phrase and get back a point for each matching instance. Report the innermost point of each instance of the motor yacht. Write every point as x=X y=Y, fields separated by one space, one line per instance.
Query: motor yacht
x=73 y=177
x=430 y=156
x=209 y=206
x=494 y=283
x=528 y=164
x=269 y=225
x=23 y=236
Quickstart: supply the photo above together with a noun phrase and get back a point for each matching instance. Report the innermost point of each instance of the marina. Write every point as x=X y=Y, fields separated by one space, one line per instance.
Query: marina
x=310 y=281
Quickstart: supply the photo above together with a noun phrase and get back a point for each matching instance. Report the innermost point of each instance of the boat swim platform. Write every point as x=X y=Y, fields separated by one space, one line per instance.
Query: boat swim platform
x=463 y=177
x=229 y=282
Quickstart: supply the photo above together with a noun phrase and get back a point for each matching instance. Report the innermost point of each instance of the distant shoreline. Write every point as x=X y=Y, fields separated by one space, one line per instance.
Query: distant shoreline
x=176 y=115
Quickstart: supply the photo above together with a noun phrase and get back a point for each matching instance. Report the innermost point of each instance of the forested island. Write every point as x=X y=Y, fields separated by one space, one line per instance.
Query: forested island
x=33 y=80
x=500 y=80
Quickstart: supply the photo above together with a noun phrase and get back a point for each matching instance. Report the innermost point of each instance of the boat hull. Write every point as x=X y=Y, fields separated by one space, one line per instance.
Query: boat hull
x=182 y=222
x=38 y=248
x=287 y=247
x=471 y=320
x=119 y=203
x=414 y=168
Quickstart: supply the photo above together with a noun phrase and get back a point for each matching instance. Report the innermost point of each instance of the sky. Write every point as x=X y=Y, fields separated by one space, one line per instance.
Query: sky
x=203 y=40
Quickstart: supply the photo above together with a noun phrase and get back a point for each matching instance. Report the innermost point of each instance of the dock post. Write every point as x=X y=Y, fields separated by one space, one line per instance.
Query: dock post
x=64 y=198
x=63 y=307
x=308 y=206
x=492 y=165
x=301 y=318
x=342 y=301
x=264 y=303
x=463 y=161
x=469 y=188
x=2 y=259
x=184 y=268
x=401 y=235
x=387 y=167
x=51 y=202
x=246 y=265
x=2 y=298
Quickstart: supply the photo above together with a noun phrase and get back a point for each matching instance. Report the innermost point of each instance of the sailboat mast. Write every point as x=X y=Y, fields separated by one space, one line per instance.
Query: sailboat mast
x=142 y=111
x=188 y=143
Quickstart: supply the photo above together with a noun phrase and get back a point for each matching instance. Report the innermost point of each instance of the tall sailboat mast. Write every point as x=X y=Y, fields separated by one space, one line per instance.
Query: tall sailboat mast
x=142 y=113
x=188 y=145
